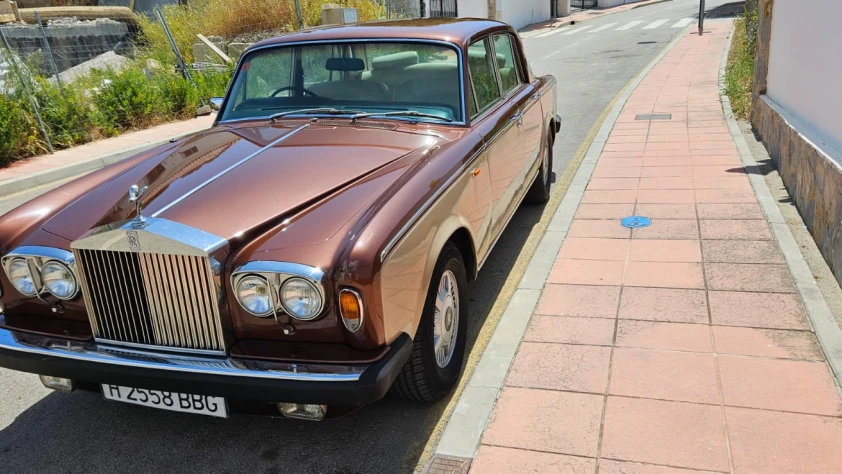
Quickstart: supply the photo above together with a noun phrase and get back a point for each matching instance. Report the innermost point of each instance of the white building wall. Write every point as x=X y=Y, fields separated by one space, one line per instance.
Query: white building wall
x=614 y=3
x=473 y=8
x=520 y=13
x=805 y=67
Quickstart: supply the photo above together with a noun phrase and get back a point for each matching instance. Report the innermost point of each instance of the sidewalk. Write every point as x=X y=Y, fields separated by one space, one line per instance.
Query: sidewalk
x=90 y=156
x=679 y=347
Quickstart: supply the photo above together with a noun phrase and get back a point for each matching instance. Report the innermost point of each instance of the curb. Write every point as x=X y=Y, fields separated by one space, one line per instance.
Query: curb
x=818 y=312
x=15 y=185
x=463 y=432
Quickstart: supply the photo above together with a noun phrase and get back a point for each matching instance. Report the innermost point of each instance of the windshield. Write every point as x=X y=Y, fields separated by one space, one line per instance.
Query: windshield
x=360 y=77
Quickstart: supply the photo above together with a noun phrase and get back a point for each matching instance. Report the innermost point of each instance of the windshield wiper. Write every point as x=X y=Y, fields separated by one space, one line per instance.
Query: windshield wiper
x=411 y=113
x=323 y=110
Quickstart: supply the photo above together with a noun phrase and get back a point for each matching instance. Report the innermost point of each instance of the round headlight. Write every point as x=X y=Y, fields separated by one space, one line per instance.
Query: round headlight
x=59 y=280
x=20 y=276
x=253 y=294
x=301 y=299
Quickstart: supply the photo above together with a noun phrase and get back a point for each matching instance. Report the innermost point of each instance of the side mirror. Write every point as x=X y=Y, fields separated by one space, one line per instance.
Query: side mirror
x=216 y=103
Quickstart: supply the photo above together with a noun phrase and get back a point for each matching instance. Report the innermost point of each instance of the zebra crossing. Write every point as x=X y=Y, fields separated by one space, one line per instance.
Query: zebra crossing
x=615 y=26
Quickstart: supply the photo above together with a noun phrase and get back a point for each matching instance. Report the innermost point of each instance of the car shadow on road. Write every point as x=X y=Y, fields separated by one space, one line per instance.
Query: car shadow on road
x=82 y=432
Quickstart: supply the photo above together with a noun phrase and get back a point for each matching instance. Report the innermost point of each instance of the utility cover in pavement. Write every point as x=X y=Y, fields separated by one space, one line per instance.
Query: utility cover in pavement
x=635 y=222
x=654 y=117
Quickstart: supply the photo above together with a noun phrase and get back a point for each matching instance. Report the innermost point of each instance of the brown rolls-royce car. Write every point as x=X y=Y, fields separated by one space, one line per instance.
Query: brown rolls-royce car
x=312 y=248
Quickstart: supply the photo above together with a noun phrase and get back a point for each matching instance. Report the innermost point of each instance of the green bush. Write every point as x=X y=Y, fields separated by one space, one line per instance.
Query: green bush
x=18 y=134
x=67 y=117
x=124 y=99
x=739 y=71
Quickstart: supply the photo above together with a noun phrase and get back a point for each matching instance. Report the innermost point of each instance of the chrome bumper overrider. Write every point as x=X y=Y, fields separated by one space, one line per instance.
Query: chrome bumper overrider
x=218 y=366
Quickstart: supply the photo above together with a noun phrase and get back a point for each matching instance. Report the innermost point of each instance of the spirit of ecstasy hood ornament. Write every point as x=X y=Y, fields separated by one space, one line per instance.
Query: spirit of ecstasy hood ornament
x=135 y=192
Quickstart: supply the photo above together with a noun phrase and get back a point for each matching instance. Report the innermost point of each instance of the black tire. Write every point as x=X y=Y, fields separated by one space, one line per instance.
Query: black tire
x=422 y=379
x=539 y=192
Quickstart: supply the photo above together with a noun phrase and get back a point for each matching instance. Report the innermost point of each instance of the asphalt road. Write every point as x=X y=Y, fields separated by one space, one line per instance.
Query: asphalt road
x=42 y=431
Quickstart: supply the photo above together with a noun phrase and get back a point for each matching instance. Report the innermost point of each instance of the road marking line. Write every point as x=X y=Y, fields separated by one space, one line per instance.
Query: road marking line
x=576 y=30
x=629 y=25
x=548 y=33
x=655 y=24
x=572 y=45
x=550 y=55
x=603 y=27
x=682 y=22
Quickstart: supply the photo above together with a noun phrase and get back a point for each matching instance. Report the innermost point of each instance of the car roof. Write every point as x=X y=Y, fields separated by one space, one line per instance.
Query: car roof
x=455 y=30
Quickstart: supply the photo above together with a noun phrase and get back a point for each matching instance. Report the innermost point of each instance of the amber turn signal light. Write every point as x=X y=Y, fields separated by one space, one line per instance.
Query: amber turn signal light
x=351 y=309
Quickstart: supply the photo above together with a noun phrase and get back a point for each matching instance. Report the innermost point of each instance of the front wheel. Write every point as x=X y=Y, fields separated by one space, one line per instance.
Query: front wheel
x=539 y=192
x=438 y=350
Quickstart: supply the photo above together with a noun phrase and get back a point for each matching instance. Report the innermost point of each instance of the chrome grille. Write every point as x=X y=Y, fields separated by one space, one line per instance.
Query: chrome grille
x=151 y=299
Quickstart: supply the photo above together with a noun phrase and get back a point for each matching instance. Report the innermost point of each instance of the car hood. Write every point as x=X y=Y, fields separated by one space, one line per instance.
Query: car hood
x=228 y=181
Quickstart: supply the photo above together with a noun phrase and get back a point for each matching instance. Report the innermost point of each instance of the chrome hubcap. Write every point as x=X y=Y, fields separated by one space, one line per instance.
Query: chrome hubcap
x=545 y=165
x=446 y=319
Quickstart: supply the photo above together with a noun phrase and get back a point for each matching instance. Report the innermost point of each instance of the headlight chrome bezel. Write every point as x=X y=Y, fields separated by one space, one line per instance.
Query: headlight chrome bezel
x=36 y=258
x=277 y=274
x=264 y=281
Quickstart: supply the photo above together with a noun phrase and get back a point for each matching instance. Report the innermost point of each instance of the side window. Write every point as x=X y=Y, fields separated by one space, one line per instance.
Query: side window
x=507 y=62
x=483 y=76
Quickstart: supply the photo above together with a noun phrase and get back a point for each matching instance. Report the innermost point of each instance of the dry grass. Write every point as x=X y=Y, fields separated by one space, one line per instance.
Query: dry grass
x=236 y=18
x=739 y=73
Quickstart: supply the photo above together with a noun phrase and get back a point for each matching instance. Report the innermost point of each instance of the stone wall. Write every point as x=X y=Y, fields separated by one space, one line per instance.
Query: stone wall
x=812 y=177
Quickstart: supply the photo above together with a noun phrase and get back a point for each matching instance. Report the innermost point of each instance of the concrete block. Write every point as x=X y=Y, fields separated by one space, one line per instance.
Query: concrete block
x=336 y=15
x=235 y=50
x=202 y=53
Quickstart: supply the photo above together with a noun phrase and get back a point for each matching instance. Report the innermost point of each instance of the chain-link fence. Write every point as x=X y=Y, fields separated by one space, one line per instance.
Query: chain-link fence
x=68 y=80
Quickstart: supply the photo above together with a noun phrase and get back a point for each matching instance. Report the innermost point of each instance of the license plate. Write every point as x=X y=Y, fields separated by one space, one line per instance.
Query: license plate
x=173 y=401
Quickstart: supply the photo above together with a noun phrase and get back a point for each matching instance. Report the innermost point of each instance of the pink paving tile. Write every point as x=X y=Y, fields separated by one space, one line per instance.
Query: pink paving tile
x=570 y=330
x=616 y=172
x=619 y=162
x=613 y=183
x=676 y=229
x=715 y=152
x=663 y=336
x=598 y=228
x=668 y=138
x=660 y=432
x=618 y=132
x=658 y=196
x=766 y=441
x=730 y=211
x=666 y=171
x=604 y=211
x=587 y=272
x=575 y=368
x=682 y=147
x=623 y=147
x=544 y=420
x=717 y=182
x=643 y=250
x=709 y=160
x=725 y=196
x=767 y=343
x=638 y=138
x=666 y=211
x=741 y=251
x=713 y=145
x=574 y=300
x=638 y=125
x=738 y=229
x=774 y=384
x=664 y=275
x=718 y=130
x=666 y=161
x=621 y=154
x=594 y=249
x=494 y=459
x=610 y=197
x=665 y=375
x=608 y=466
x=666 y=154
x=703 y=137
x=759 y=310
x=667 y=182
x=748 y=277
x=661 y=304
x=718 y=171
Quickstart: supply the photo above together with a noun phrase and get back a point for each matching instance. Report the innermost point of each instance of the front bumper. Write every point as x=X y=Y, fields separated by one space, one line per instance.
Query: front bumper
x=239 y=379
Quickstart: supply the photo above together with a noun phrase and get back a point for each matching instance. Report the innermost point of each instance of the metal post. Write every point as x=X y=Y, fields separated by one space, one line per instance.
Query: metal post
x=388 y=9
x=178 y=59
x=49 y=52
x=298 y=15
x=25 y=84
x=701 y=17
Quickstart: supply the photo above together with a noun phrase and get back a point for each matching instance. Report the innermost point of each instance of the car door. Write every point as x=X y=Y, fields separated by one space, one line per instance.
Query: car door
x=499 y=122
x=513 y=81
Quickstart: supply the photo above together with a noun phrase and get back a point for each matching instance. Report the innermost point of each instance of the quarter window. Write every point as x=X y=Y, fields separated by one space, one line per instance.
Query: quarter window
x=483 y=77
x=507 y=62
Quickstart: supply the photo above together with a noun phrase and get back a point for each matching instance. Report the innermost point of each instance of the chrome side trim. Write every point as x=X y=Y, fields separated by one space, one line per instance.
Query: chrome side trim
x=226 y=170
x=222 y=366
x=276 y=273
x=450 y=44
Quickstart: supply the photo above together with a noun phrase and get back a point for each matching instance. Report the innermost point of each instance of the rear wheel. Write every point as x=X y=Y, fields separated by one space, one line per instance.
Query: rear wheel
x=539 y=193
x=438 y=350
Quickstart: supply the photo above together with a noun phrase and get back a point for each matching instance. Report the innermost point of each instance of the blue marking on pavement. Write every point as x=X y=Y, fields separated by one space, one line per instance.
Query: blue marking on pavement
x=635 y=222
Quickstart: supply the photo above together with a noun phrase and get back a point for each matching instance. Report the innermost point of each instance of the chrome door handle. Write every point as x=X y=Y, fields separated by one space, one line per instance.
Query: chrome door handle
x=518 y=117
x=537 y=96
